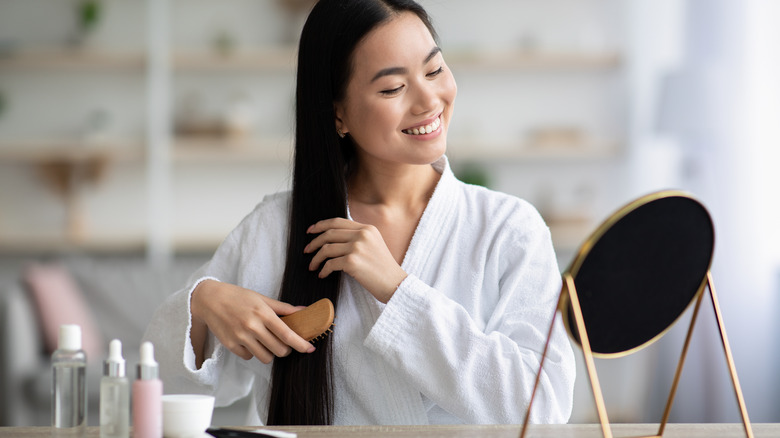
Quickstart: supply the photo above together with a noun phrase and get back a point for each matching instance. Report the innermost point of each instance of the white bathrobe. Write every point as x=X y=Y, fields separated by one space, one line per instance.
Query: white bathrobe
x=459 y=342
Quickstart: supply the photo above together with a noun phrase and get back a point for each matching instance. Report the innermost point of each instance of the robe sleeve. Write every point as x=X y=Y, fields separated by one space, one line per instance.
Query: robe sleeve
x=222 y=374
x=485 y=375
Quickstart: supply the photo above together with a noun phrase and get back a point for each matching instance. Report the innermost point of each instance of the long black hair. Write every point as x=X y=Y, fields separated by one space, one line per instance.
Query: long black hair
x=302 y=384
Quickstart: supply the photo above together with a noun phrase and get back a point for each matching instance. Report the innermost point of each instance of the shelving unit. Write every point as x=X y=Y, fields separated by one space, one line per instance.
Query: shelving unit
x=240 y=150
x=59 y=244
x=278 y=60
x=260 y=60
x=283 y=59
x=517 y=152
x=156 y=156
x=519 y=60
x=70 y=151
x=61 y=59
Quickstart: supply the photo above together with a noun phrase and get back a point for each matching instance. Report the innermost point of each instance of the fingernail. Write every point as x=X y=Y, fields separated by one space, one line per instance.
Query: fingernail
x=311 y=349
x=306 y=249
x=308 y=230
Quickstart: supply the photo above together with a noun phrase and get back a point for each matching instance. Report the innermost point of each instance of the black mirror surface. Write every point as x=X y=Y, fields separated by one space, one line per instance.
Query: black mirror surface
x=640 y=270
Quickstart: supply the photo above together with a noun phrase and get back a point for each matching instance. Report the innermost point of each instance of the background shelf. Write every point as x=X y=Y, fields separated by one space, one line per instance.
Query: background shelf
x=54 y=59
x=143 y=78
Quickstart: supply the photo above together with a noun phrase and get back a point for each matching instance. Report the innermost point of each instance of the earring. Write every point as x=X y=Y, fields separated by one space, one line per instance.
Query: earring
x=341 y=133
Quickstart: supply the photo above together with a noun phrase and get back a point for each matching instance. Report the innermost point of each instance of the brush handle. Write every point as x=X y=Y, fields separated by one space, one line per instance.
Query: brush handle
x=313 y=321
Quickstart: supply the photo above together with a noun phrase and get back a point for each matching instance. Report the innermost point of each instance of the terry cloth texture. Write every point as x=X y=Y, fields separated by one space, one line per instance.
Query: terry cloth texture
x=459 y=342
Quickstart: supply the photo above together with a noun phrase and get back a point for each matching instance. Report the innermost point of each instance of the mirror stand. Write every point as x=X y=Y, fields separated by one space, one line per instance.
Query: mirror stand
x=568 y=296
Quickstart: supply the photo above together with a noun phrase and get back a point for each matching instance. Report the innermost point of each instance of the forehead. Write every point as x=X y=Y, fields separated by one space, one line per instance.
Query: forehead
x=404 y=41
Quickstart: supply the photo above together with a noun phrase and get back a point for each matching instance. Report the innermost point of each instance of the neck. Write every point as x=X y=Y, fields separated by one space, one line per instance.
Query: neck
x=392 y=184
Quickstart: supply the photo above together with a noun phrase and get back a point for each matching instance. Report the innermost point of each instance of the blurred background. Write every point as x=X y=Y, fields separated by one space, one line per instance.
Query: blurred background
x=134 y=135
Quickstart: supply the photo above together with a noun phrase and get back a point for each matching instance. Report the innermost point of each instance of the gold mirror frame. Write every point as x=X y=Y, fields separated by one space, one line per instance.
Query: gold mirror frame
x=590 y=243
x=568 y=299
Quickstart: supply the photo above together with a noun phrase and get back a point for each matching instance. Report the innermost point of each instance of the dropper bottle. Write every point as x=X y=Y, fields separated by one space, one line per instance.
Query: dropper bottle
x=69 y=385
x=114 y=395
x=147 y=396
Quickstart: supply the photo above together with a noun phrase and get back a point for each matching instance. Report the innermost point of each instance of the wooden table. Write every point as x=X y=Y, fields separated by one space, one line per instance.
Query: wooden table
x=498 y=431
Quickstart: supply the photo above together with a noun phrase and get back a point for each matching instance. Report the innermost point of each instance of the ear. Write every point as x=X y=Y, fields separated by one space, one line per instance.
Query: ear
x=341 y=126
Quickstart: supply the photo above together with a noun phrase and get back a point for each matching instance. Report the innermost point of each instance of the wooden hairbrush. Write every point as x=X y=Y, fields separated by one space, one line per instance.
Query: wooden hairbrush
x=314 y=322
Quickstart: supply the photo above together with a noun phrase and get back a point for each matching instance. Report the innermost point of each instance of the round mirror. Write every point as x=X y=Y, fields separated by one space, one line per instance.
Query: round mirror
x=639 y=271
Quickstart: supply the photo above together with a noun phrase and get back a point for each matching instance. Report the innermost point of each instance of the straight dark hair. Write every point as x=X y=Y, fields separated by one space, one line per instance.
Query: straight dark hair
x=302 y=384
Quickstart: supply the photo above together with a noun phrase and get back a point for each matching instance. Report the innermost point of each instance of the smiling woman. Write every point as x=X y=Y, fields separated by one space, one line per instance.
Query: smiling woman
x=400 y=97
x=442 y=290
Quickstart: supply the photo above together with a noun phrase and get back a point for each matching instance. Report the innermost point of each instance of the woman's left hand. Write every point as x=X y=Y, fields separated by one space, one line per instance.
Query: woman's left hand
x=357 y=249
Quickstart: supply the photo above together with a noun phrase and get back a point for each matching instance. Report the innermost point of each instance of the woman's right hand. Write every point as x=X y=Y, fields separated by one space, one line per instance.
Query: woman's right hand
x=246 y=322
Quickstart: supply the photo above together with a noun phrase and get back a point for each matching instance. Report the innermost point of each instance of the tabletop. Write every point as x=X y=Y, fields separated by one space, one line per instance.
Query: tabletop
x=493 y=431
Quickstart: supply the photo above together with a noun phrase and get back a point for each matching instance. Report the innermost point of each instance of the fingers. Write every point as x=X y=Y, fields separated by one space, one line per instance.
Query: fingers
x=329 y=251
x=278 y=330
x=266 y=346
x=280 y=307
x=247 y=323
x=265 y=343
x=339 y=238
x=288 y=338
x=334 y=223
x=358 y=250
x=247 y=345
x=337 y=264
x=330 y=236
x=241 y=351
x=270 y=331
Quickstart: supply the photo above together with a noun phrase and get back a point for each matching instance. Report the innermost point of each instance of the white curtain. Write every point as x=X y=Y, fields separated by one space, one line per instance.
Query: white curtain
x=704 y=78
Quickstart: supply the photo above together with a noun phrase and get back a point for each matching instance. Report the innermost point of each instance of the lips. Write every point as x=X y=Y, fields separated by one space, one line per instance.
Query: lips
x=425 y=128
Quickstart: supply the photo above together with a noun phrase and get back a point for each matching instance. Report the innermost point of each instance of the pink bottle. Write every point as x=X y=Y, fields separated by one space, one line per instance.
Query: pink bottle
x=147 y=396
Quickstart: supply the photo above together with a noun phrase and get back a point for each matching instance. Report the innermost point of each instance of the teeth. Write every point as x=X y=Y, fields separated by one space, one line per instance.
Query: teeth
x=427 y=129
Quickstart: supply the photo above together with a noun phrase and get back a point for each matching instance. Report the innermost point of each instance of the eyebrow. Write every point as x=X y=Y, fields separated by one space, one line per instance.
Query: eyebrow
x=401 y=70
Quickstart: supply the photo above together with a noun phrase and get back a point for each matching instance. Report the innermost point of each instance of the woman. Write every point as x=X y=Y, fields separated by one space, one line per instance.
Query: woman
x=443 y=291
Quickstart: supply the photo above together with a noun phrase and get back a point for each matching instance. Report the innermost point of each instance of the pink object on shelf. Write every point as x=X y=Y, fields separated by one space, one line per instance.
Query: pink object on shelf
x=58 y=300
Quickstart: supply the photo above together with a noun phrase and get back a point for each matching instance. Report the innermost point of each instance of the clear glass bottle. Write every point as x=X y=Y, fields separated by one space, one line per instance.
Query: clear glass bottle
x=114 y=395
x=69 y=385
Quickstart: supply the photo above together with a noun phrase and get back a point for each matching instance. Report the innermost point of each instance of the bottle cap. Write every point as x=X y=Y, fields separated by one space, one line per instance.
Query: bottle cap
x=114 y=366
x=147 y=367
x=70 y=337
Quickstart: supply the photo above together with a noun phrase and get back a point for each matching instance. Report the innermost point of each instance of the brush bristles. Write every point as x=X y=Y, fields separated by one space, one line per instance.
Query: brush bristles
x=323 y=334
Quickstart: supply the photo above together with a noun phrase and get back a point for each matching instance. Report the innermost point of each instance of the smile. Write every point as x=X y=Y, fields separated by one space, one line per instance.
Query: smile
x=425 y=129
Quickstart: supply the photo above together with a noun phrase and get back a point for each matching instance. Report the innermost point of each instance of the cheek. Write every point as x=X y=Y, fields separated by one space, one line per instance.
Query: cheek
x=357 y=114
x=449 y=91
x=375 y=117
x=449 y=88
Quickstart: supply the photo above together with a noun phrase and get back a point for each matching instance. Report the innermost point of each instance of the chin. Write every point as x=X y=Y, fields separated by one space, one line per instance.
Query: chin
x=438 y=150
x=429 y=158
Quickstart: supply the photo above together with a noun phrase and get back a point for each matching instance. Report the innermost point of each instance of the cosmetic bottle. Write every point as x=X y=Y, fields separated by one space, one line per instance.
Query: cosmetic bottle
x=69 y=385
x=114 y=395
x=147 y=396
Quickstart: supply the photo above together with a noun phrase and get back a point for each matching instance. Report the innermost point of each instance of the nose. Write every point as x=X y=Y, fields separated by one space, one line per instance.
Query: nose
x=425 y=99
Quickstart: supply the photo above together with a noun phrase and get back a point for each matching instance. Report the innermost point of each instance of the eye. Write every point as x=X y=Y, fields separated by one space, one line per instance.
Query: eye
x=391 y=92
x=435 y=72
